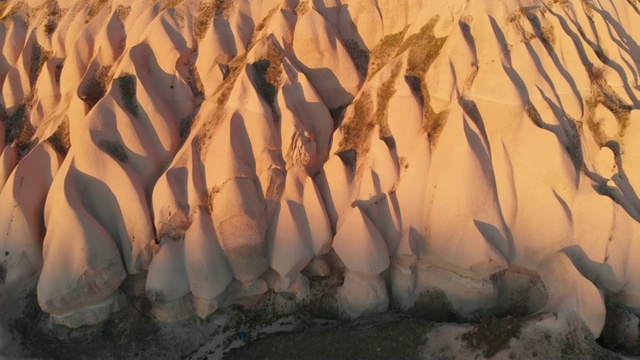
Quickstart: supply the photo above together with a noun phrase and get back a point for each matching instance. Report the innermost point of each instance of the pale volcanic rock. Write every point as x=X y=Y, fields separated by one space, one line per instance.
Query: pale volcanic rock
x=196 y=154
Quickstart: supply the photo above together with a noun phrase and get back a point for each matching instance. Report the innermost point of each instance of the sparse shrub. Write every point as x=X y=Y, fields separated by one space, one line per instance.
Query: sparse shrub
x=203 y=19
x=222 y=7
x=95 y=7
x=263 y=23
x=548 y=34
x=194 y=81
x=302 y=7
x=171 y=4
x=597 y=73
x=206 y=13
x=602 y=93
x=588 y=8
x=123 y=12
x=175 y=226
x=533 y=114
x=58 y=71
x=114 y=149
x=53 y=15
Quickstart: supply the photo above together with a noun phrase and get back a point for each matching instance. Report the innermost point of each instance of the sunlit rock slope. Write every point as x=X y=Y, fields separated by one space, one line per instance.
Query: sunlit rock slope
x=199 y=152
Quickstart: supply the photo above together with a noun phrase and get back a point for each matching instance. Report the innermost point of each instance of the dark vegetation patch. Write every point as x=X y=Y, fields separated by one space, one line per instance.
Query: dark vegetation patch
x=207 y=11
x=385 y=92
x=385 y=50
x=95 y=87
x=60 y=140
x=302 y=7
x=18 y=128
x=39 y=57
x=171 y=4
x=267 y=72
x=127 y=85
x=58 y=71
x=53 y=16
x=359 y=56
x=115 y=149
x=358 y=128
x=195 y=82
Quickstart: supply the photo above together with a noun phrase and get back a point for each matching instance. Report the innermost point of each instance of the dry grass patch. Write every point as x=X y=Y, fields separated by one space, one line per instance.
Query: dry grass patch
x=39 y=57
x=385 y=92
x=385 y=50
x=602 y=93
x=424 y=48
x=94 y=8
x=358 y=129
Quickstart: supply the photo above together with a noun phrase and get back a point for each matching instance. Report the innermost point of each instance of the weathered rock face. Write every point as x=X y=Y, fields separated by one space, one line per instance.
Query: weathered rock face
x=212 y=150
